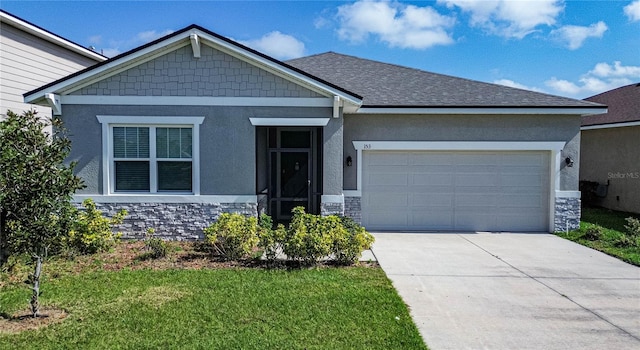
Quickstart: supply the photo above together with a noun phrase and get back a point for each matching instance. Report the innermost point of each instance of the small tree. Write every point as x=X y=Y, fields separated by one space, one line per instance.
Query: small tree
x=35 y=189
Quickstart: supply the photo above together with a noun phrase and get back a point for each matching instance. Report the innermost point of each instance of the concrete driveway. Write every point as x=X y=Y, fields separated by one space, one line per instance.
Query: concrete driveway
x=512 y=291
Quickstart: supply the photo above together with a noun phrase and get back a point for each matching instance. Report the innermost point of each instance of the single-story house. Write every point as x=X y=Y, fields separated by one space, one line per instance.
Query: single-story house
x=610 y=150
x=31 y=56
x=195 y=124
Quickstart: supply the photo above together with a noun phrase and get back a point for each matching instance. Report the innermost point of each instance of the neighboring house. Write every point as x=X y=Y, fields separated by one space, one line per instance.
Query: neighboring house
x=31 y=57
x=610 y=150
x=194 y=124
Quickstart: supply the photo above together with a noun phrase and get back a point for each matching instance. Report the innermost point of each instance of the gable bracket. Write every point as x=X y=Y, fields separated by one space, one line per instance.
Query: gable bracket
x=53 y=101
x=195 y=45
x=337 y=103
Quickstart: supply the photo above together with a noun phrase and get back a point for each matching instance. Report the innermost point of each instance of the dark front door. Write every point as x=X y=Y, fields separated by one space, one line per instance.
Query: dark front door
x=293 y=164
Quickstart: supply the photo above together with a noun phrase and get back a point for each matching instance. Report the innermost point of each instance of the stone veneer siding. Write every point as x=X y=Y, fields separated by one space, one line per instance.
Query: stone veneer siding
x=173 y=221
x=331 y=209
x=353 y=208
x=567 y=214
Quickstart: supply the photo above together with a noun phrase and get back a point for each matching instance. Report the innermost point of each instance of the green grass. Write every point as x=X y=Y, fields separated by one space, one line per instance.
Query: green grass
x=612 y=225
x=234 y=308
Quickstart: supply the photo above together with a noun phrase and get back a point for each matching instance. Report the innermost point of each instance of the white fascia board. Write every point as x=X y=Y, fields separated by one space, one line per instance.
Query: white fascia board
x=197 y=101
x=478 y=110
x=289 y=121
x=52 y=38
x=177 y=198
x=155 y=120
x=332 y=198
x=568 y=194
x=111 y=68
x=610 y=126
x=458 y=145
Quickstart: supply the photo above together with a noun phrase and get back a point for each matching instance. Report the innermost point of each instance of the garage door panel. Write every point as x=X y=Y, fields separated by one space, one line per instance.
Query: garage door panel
x=521 y=222
x=437 y=200
x=476 y=179
x=448 y=190
x=432 y=159
x=388 y=200
x=437 y=179
x=522 y=201
x=432 y=220
x=521 y=179
x=389 y=159
x=385 y=179
x=470 y=221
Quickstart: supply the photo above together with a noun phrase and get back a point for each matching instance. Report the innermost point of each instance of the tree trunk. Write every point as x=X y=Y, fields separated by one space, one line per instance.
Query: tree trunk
x=4 y=251
x=35 y=305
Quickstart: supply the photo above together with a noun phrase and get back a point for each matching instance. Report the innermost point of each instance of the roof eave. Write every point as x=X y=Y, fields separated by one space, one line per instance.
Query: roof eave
x=49 y=36
x=610 y=125
x=551 y=110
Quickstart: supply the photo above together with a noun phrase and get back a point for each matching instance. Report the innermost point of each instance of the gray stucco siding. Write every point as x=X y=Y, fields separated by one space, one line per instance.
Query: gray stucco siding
x=464 y=128
x=332 y=162
x=612 y=155
x=227 y=142
x=178 y=73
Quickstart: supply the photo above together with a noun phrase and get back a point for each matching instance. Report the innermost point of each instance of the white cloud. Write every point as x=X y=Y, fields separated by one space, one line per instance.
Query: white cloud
x=601 y=78
x=394 y=23
x=96 y=39
x=278 y=45
x=117 y=47
x=633 y=11
x=575 y=36
x=513 y=84
x=509 y=18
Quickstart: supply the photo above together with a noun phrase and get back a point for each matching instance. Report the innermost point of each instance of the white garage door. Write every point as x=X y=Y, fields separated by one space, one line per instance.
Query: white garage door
x=465 y=191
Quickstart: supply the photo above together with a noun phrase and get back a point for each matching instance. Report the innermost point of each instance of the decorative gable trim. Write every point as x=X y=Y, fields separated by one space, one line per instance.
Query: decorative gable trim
x=194 y=36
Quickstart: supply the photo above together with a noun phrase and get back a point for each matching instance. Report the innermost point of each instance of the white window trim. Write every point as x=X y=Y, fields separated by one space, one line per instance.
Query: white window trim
x=109 y=121
x=554 y=147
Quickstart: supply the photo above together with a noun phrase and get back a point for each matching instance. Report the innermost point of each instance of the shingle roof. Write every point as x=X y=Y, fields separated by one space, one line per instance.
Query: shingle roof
x=388 y=85
x=624 y=106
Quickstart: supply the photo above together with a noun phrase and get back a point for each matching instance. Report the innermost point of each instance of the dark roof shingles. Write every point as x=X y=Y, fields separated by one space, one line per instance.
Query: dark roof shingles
x=388 y=85
x=624 y=106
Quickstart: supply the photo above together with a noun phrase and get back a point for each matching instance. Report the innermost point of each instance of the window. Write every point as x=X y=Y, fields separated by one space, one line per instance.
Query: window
x=160 y=158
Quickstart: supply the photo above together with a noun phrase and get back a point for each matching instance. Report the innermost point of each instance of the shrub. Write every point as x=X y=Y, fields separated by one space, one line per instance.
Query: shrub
x=593 y=233
x=155 y=246
x=348 y=248
x=233 y=236
x=633 y=226
x=310 y=238
x=270 y=239
x=91 y=232
x=305 y=239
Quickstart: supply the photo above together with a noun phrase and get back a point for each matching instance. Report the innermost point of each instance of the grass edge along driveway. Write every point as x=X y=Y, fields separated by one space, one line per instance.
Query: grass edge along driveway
x=321 y=308
x=613 y=239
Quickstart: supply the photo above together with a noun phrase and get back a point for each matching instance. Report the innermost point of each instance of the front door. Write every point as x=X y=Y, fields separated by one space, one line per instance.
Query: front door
x=292 y=163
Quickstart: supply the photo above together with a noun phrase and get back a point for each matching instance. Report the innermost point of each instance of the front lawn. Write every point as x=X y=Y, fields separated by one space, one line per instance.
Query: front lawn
x=139 y=307
x=610 y=236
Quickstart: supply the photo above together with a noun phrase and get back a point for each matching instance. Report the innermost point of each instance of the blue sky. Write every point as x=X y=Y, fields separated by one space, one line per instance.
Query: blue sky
x=563 y=47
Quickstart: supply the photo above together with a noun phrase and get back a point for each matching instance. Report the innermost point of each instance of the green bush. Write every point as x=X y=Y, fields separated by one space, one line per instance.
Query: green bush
x=270 y=239
x=633 y=226
x=348 y=248
x=156 y=248
x=593 y=233
x=310 y=238
x=233 y=236
x=91 y=232
x=305 y=239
